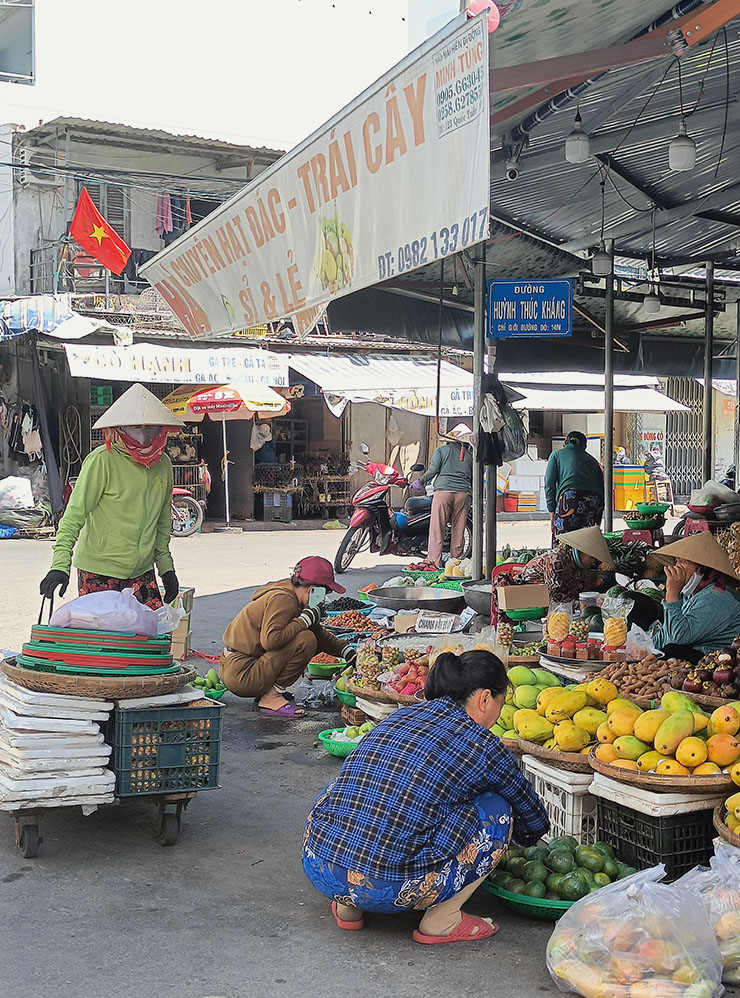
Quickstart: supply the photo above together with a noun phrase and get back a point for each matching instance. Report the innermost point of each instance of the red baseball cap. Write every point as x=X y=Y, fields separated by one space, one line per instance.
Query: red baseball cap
x=319 y=572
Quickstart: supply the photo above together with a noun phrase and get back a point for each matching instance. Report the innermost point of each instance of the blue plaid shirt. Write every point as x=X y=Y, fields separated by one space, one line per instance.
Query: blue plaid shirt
x=402 y=804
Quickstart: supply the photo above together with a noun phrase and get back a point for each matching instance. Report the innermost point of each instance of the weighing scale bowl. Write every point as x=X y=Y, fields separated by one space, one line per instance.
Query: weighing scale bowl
x=419 y=598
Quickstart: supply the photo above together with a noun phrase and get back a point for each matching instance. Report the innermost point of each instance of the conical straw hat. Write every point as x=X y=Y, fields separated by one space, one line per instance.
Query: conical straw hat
x=700 y=548
x=137 y=407
x=588 y=540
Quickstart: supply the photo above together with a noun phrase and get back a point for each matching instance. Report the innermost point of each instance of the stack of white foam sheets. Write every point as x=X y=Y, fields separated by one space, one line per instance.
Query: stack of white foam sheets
x=52 y=751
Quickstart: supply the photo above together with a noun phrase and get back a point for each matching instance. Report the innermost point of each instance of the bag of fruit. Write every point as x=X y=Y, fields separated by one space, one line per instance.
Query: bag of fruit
x=558 y=621
x=614 y=613
x=719 y=890
x=636 y=938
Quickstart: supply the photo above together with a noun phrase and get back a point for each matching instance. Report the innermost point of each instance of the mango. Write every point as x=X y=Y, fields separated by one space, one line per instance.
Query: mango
x=733 y=803
x=589 y=718
x=724 y=721
x=569 y=737
x=629 y=747
x=647 y=724
x=622 y=721
x=701 y=721
x=551 y=744
x=602 y=691
x=565 y=705
x=647 y=762
x=510 y=735
x=673 y=701
x=520 y=675
x=507 y=715
x=497 y=730
x=545 y=678
x=545 y=697
x=707 y=769
x=586 y=750
x=625 y=764
x=670 y=767
x=534 y=728
x=735 y=773
x=673 y=731
x=604 y=734
x=605 y=753
x=519 y=716
x=692 y=752
x=619 y=703
x=723 y=749
x=526 y=696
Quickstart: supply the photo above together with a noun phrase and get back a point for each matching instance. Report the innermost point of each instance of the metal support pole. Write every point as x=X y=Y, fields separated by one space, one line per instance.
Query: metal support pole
x=107 y=289
x=737 y=392
x=609 y=394
x=226 y=471
x=491 y=469
x=479 y=352
x=707 y=442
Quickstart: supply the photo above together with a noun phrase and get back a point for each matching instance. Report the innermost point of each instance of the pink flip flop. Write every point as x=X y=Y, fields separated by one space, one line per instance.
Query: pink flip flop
x=347 y=926
x=464 y=933
x=287 y=710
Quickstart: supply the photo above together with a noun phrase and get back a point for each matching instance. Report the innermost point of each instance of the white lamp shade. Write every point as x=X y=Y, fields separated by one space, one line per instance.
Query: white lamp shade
x=682 y=151
x=601 y=263
x=577 y=146
x=651 y=302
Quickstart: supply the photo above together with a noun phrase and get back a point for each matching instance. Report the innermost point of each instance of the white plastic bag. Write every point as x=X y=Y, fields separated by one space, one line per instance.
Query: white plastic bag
x=636 y=938
x=15 y=493
x=108 y=611
x=719 y=890
x=640 y=644
x=168 y=618
x=712 y=494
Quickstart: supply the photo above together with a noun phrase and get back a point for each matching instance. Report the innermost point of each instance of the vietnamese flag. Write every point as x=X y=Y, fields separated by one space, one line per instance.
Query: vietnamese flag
x=99 y=239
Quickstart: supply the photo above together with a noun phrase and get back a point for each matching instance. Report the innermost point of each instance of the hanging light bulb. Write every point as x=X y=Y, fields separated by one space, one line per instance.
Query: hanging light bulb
x=577 y=144
x=682 y=151
x=601 y=262
x=651 y=302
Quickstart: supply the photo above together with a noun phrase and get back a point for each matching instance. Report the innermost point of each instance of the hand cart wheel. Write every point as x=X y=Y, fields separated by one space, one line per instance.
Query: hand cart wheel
x=169 y=828
x=27 y=836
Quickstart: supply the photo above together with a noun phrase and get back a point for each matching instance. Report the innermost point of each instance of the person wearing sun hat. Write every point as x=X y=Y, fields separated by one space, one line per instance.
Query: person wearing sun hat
x=118 y=518
x=452 y=468
x=271 y=641
x=566 y=569
x=702 y=604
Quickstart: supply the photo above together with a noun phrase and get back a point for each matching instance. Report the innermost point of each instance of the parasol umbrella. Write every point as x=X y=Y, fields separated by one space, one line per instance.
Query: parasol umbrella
x=225 y=402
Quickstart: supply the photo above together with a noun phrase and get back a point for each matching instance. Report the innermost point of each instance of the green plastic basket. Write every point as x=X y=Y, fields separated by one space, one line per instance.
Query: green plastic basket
x=543 y=908
x=214 y=694
x=324 y=670
x=644 y=522
x=413 y=574
x=341 y=749
x=536 y=613
x=454 y=584
x=364 y=597
x=652 y=508
x=346 y=698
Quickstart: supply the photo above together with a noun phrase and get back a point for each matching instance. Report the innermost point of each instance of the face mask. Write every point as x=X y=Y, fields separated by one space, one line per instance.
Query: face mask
x=142 y=434
x=316 y=596
x=691 y=586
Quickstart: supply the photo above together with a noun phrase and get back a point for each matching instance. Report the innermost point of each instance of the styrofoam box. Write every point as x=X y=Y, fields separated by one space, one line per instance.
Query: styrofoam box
x=657 y=805
x=566 y=797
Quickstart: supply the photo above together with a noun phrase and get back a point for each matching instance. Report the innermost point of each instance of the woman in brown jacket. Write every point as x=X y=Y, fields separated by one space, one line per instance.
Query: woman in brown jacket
x=271 y=641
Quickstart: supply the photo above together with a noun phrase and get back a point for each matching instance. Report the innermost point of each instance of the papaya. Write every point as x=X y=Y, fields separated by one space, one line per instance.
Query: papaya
x=565 y=705
x=673 y=731
x=629 y=747
x=647 y=724
x=589 y=718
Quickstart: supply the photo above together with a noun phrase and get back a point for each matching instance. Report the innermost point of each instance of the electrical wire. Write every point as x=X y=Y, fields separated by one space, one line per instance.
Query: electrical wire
x=71 y=443
x=629 y=204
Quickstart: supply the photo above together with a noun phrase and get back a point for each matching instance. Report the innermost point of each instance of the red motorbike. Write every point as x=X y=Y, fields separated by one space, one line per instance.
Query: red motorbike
x=376 y=526
x=187 y=513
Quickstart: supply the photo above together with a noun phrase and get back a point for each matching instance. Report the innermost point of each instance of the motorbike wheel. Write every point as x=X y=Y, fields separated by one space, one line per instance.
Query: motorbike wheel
x=187 y=516
x=354 y=541
x=467 y=542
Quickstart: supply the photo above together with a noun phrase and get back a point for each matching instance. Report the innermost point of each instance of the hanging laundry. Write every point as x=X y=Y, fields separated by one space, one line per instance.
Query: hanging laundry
x=164 y=214
x=188 y=214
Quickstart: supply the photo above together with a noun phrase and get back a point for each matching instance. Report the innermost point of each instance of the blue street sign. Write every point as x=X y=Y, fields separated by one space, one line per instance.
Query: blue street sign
x=530 y=309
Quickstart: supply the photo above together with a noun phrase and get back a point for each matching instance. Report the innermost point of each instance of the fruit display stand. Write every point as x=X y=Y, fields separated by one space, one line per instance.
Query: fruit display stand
x=567 y=799
x=690 y=785
x=722 y=830
x=648 y=827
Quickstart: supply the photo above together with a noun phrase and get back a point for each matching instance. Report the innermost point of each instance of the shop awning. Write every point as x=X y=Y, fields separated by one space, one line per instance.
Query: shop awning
x=408 y=383
x=571 y=391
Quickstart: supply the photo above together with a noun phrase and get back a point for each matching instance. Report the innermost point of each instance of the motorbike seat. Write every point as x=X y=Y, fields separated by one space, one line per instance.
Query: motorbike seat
x=419 y=504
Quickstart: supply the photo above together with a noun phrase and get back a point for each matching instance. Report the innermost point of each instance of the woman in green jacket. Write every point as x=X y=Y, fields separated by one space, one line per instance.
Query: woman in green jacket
x=118 y=517
x=574 y=487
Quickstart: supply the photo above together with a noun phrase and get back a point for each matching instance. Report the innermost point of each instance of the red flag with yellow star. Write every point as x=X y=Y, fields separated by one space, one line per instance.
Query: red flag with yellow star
x=97 y=237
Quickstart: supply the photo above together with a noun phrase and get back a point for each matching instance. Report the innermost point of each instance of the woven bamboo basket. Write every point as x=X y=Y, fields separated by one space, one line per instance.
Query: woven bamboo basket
x=716 y=784
x=722 y=829
x=400 y=698
x=100 y=687
x=377 y=696
x=513 y=746
x=706 y=701
x=574 y=762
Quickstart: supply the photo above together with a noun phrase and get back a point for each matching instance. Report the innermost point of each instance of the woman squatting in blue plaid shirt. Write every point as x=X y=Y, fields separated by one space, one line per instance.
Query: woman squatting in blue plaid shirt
x=424 y=808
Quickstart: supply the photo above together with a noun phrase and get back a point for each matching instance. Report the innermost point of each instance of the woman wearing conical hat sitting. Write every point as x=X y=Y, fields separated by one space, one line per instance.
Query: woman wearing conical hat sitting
x=566 y=569
x=702 y=603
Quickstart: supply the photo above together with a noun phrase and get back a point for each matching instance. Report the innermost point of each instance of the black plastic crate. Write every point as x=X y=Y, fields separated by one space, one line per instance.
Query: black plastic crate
x=165 y=750
x=680 y=841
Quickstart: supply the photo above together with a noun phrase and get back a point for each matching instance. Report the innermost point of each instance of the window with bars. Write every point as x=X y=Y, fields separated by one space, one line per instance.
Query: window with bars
x=111 y=201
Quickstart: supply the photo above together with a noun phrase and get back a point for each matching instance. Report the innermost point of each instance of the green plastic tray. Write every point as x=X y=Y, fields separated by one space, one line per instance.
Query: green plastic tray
x=323 y=670
x=341 y=749
x=652 y=508
x=536 y=613
x=346 y=698
x=549 y=911
x=411 y=573
x=454 y=584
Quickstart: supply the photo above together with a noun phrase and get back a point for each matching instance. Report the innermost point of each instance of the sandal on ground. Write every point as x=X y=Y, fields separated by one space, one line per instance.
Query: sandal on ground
x=470 y=930
x=348 y=926
x=287 y=710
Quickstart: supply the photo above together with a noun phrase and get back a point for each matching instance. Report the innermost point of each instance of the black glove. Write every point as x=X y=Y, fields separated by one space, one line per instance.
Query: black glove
x=349 y=655
x=310 y=616
x=53 y=579
x=171 y=586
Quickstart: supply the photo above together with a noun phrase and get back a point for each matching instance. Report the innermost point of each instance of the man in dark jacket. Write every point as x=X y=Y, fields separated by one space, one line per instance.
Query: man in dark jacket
x=574 y=487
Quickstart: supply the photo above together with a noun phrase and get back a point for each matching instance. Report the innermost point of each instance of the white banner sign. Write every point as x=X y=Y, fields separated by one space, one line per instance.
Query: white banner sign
x=453 y=401
x=168 y=365
x=396 y=180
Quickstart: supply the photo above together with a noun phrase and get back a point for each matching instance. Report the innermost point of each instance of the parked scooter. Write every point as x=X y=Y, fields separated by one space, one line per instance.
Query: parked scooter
x=187 y=513
x=378 y=527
